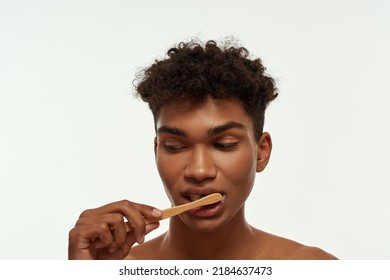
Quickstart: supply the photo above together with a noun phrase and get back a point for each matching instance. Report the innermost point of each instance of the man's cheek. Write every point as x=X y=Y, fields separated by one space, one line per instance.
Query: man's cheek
x=168 y=171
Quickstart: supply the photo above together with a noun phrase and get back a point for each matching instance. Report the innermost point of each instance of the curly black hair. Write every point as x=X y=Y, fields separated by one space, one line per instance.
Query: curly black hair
x=195 y=71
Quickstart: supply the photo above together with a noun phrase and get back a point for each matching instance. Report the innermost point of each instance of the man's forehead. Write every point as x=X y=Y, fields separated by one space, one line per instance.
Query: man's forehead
x=210 y=104
x=210 y=113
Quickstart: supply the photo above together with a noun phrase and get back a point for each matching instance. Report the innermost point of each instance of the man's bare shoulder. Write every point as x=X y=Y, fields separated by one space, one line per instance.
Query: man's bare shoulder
x=276 y=247
x=311 y=253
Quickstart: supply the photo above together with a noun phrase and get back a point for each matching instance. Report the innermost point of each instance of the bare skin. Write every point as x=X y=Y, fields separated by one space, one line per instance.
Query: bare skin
x=200 y=149
x=258 y=246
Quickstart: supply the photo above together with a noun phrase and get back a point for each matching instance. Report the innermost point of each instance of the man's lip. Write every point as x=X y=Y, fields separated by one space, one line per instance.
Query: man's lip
x=208 y=211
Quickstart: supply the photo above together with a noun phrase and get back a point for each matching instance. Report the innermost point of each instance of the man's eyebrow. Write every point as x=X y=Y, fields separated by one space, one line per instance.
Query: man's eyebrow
x=211 y=132
x=222 y=128
x=172 y=130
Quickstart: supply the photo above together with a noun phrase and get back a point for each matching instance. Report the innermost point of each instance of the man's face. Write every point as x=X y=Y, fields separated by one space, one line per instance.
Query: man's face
x=207 y=148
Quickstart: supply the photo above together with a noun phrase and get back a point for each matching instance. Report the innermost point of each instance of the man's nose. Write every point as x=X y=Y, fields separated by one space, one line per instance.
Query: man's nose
x=200 y=166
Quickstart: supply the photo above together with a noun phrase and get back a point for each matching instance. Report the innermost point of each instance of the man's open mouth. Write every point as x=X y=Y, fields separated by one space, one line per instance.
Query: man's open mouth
x=194 y=197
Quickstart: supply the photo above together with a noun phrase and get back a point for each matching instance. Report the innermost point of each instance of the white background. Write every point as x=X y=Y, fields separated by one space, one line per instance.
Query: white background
x=73 y=137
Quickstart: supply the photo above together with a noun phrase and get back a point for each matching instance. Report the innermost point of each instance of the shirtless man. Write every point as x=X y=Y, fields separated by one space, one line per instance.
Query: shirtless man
x=208 y=104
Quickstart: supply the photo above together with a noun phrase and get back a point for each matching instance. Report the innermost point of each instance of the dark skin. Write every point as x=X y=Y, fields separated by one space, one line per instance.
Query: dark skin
x=199 y=149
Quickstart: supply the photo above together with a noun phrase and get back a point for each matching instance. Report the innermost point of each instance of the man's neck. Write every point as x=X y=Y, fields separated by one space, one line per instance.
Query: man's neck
x=227 y=242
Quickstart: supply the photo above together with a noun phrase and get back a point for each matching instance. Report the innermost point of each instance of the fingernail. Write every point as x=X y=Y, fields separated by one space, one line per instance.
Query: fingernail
x=157 y=212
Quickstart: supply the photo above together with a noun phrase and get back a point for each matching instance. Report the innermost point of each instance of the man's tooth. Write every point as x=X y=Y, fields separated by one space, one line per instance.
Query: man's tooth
x=194 y=197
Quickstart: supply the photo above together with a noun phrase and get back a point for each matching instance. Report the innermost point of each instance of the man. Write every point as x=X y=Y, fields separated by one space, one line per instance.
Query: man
x=208 y=104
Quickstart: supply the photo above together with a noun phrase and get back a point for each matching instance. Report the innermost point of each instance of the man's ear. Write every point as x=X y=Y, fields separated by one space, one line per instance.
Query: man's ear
x=155 y=146
x=264 y=153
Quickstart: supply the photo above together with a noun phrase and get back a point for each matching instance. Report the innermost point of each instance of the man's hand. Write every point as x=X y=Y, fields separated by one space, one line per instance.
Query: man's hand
x=101 y=233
